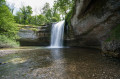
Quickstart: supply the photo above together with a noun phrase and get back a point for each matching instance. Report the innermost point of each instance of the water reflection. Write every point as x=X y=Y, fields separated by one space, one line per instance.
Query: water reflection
x=58 y=61
x=57 y=53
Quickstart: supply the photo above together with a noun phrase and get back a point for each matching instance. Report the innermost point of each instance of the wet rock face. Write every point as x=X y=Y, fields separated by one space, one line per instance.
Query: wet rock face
x=93 y=20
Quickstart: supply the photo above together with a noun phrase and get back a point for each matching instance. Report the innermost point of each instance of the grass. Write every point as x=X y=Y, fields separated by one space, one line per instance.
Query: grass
x=5 y=42
x=25 y=25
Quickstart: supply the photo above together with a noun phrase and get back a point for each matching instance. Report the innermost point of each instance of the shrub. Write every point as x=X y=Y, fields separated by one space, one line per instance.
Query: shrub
x=6 y=42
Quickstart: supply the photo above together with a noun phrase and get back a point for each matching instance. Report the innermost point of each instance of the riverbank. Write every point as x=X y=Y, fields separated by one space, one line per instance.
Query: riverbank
x=7 y=51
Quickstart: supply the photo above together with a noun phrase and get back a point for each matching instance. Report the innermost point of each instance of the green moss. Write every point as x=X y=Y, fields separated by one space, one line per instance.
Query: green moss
x=108 y=39
x=34 y=29
x=115 y=34
x=21 y=25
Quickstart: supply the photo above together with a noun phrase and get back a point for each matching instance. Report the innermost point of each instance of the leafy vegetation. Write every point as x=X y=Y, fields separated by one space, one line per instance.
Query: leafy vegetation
x=8 y=27
x=24 y=15
x=63 y=6
x=48 y=15
x=69 y=16
x=7 y=42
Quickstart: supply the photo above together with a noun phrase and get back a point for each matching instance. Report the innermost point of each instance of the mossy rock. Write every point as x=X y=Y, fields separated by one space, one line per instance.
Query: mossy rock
x=114 y=34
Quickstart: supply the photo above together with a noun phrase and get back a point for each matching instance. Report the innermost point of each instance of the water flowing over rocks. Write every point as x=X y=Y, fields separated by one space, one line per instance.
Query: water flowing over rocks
x=93 y=20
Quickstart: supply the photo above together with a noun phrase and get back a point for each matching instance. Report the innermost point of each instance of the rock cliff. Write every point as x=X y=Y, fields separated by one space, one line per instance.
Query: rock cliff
x=93 y=20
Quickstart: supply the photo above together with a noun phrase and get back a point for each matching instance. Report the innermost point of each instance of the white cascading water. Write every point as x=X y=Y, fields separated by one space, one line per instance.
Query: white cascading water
x=57 y=34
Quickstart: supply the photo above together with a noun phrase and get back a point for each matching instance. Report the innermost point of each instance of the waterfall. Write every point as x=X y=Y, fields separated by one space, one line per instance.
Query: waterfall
x=57 y=34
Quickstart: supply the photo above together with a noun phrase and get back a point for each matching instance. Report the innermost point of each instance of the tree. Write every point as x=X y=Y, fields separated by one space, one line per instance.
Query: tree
x=45 y=8
x=56 y=17
x=29 y=13
x=63 y=6
x=49 y=15
x=7 y=23
x=41 y=19
x=26 y=11
x=11 y=7
x=19 y=17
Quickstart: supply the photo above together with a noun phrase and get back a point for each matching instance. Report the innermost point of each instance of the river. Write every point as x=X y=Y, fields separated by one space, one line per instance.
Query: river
x=57 y=63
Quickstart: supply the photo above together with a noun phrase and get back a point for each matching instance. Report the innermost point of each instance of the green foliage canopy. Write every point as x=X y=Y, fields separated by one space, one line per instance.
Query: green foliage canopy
x=7 y=23
x=24 y=15
x=63 y=6
x=26 y=11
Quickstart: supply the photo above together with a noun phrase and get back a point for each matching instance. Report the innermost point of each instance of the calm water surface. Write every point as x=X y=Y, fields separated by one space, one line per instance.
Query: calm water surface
x=58 y=63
